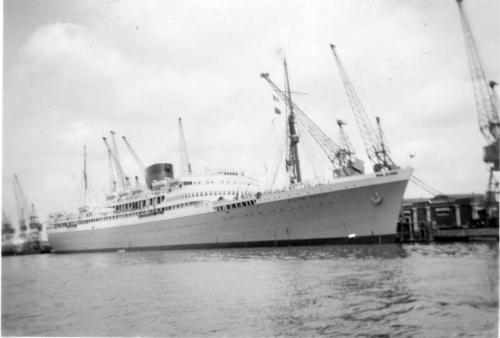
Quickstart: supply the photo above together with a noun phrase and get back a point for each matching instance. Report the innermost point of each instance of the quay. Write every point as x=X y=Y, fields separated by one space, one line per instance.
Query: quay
x=447 y=218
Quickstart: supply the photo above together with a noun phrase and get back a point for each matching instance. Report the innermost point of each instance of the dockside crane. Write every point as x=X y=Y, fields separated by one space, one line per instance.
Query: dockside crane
x=376 y=147
x=26 y=221
x=487 y=110
x=22 y=205
x=185 y=164
x=121 y=175
x=327 y=145
x=346 y=152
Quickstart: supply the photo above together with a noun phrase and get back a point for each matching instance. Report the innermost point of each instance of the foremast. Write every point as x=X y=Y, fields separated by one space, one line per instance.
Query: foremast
x=292 y=161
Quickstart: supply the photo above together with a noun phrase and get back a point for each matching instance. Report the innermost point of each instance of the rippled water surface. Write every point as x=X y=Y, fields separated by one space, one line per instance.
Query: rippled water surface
x=352 y=291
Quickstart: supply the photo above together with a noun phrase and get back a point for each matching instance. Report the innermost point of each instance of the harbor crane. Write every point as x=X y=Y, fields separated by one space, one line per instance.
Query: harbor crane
x=185 y=164
x=346 y=152
x=23 y=206
x=121 y=176
x=487 y=110
x=329 y=147
x=21 y=203
x=376 y=148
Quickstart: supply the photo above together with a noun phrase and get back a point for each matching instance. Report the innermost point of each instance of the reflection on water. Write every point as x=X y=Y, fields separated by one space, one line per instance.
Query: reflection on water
x=384 y=290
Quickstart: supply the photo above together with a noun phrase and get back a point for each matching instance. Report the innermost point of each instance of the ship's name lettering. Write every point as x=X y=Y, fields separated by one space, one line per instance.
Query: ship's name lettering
x=304 y=198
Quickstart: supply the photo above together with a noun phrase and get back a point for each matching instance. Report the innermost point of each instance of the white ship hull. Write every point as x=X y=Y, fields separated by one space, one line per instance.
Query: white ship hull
x=356 y=209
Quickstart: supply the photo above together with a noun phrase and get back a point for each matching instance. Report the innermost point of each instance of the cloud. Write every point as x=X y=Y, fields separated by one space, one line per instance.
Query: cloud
x=132 y=67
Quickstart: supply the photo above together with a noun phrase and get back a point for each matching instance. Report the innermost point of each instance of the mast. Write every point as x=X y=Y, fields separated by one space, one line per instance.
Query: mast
x=330 y=148
x=185 y=165
x=85 y=183
x=292 y=161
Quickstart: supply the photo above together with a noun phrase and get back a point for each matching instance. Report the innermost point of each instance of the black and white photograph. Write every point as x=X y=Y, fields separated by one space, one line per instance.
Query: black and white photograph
x=237 y=168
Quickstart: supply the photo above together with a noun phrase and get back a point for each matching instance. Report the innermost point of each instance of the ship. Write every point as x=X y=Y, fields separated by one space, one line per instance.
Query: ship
x=227 y=208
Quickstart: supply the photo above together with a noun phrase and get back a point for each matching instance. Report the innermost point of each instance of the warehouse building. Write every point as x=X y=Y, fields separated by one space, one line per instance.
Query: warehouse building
x=421 y=215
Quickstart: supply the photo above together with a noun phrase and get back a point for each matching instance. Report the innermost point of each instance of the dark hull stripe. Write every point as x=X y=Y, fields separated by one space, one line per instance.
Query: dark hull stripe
x=382 y=239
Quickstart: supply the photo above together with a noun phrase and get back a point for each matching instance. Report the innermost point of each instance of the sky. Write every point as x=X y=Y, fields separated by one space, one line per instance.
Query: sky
x=74 y=70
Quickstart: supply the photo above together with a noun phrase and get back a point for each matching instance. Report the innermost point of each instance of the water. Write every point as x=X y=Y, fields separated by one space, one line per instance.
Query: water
x=341 y=291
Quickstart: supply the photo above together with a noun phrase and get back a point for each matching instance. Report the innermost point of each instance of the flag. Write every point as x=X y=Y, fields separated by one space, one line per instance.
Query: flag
x=277 y=111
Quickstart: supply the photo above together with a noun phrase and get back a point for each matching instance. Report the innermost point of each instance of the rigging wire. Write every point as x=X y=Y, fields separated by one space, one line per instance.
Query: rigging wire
x=425 y=186
x=76 y=194
x=280 y=160
x=307 y=147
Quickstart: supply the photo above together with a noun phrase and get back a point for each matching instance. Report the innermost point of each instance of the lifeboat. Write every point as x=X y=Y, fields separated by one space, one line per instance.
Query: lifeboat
x=159 y=184
x=137 y=190
x=111 y=196
x=123 y=193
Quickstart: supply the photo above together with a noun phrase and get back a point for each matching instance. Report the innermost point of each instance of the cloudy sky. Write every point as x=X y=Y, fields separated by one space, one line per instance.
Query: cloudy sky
x=73 y=70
